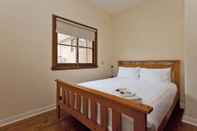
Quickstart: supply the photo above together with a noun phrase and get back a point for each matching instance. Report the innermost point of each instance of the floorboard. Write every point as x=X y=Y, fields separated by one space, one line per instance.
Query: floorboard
x=49 y=122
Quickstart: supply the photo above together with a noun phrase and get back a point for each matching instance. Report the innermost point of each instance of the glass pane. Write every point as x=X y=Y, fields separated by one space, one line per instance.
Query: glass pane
x=66 y=54
x=85 y=43
x=66 y=39
x=85 y=55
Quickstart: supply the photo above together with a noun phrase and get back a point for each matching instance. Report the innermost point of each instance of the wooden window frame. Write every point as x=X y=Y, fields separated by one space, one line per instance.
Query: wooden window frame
x=70 y=66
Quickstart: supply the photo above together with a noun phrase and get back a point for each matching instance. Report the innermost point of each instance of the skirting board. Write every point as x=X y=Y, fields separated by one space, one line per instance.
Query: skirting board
x=26 y=115
x=189 y=120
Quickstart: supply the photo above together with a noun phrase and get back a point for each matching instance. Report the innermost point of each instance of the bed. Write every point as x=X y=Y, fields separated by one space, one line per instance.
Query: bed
x=97 y=105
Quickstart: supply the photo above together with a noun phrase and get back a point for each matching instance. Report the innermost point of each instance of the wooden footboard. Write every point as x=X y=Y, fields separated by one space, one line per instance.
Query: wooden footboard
x=71 y=98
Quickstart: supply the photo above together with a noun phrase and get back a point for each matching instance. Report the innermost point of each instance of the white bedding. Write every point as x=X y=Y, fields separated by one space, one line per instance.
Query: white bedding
x=159 y=95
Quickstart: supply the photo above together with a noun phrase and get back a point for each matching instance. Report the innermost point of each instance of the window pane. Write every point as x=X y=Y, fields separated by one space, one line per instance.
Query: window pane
x=66 y=54
x=85 y=43
x=85 y=55
x=66 y=39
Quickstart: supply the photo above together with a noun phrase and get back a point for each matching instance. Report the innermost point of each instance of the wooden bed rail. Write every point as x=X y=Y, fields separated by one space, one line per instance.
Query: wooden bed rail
x=71 y=98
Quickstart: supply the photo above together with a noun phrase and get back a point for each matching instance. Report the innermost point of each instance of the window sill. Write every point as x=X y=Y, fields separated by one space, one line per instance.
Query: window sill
x=73 y=67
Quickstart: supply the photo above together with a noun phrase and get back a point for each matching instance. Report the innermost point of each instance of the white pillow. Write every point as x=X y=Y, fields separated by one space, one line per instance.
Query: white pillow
x=131 y=72
x=156 y=75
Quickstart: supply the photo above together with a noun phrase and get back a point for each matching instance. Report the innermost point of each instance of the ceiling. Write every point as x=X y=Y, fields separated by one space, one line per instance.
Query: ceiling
x=115 y=6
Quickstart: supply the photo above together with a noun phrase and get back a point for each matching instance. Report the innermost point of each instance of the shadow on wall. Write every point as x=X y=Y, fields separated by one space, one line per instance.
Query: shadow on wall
x=190 y=106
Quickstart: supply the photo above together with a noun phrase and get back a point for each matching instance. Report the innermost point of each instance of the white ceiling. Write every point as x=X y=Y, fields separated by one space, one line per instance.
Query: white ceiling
x=115 y=6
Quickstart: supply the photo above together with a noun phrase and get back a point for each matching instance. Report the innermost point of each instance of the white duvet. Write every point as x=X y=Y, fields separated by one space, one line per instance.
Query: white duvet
x=159 y=95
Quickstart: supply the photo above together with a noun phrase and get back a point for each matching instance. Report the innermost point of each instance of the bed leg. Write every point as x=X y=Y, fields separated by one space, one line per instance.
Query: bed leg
x=58 y=112
x=58 y=100
x=140 y=122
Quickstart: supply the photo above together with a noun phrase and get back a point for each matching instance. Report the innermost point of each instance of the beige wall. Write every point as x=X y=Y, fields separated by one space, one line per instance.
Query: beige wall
x=151 y=30
x=27 y=82
x=191 y=59
x=155 y=30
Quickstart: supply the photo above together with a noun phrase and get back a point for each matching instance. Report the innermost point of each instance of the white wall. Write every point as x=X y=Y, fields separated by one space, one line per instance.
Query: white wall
x=27 y=81
x=191 y=60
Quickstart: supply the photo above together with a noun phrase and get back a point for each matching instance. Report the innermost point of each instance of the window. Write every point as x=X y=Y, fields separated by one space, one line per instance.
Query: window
x=74 y=45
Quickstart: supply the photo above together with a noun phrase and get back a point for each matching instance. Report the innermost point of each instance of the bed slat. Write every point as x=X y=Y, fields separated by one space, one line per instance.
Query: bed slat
x=93 y=110
x=85 y=106
x=78 y=97
x=104 y=116
x=116 y=121
x=66 y=98
x=72 y=100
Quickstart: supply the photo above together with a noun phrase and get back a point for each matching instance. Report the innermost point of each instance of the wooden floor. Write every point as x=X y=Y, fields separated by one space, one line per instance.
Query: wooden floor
x=49 y=122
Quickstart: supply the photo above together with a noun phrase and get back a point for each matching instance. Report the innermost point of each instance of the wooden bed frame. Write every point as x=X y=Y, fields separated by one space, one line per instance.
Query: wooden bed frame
x=70 y=96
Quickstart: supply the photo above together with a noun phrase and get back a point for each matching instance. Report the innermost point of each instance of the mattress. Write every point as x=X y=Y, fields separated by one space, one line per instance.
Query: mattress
x=159 y=95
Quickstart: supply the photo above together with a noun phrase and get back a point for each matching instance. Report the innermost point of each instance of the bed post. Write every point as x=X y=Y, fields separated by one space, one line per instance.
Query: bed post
x=141 y=122
x=57 y=100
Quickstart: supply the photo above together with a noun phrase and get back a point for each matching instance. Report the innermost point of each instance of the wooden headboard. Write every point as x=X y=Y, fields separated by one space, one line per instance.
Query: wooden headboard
x=173 y=64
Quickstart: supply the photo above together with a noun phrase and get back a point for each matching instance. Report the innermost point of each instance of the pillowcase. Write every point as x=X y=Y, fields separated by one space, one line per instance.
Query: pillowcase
x=131 y=72
x=156 y=75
